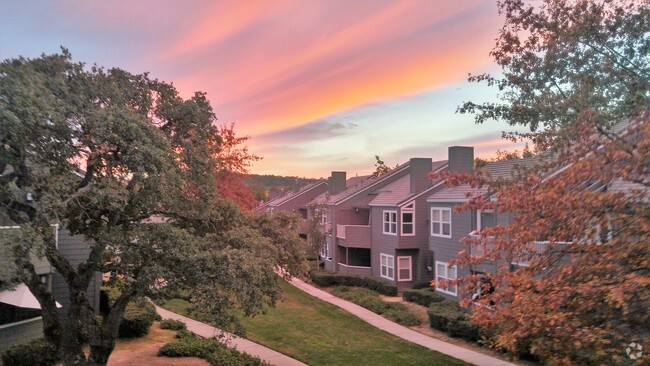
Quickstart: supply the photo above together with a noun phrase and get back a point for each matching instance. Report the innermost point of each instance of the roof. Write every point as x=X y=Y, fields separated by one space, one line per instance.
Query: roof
x=282 y=199
x=498 y=170
x=368 y=184
x=399 y=191
x=350 y=183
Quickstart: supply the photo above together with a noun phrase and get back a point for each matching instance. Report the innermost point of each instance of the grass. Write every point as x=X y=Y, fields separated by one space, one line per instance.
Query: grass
x=319 y=333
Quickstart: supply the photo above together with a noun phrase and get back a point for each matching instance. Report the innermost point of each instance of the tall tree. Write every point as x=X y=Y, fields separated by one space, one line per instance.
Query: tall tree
x=577 y=74
x=104 y=152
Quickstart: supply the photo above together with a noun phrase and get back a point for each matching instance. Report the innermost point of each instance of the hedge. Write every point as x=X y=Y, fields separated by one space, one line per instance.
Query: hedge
x=36 y=352
x=370 y=300
x=464 y=329
x=440 y=313
x=423 y=296
x=190 y=345
x=327 y=279
x=447 y=316
x=172 y=324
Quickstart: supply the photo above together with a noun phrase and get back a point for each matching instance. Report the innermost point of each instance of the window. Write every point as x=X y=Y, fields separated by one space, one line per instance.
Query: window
x=325 y=251
x=387 y=266
x=404 y=266
x=390 y=222
x=408 y=219
x=441 y=222
x=443 y=272
x=322 y=215
x=484 y=219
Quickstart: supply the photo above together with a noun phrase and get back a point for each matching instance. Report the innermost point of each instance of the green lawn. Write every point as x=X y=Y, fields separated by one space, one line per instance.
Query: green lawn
x=319 y=333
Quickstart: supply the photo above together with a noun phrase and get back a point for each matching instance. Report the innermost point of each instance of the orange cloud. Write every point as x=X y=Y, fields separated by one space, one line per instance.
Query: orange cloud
x=291 y=71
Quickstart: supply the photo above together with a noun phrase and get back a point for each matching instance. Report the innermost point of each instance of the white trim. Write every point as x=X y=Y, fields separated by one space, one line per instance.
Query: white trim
x=448 y=200
x=387 y=266
x=446 y=277
x=403 y=211
x=428 y=190
x=410 y=268
x=441 y=222
x=391 y=224
x=382 y=179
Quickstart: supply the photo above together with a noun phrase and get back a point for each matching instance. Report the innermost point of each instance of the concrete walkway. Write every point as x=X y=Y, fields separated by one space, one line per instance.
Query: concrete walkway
x=405 y=333
x=232 y=341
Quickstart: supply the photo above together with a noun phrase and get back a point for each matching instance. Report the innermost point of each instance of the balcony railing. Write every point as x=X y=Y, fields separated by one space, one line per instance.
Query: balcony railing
x=487 y=243
x=355 y=236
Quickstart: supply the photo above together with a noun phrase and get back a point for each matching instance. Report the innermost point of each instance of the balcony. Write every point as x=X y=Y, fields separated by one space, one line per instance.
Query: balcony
x=355 y=236
x=478 y=249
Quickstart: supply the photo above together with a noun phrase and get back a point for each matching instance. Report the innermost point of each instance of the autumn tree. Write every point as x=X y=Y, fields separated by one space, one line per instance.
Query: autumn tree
x=577 y=74
x=234 y=161
x=380 y=168
x=126 y=162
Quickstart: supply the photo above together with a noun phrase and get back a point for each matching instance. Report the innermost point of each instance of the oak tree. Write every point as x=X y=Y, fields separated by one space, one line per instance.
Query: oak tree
x=126 y=162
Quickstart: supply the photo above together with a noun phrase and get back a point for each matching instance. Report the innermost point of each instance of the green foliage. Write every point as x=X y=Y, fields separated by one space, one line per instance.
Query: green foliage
x=36 y=352
x=464 y=329
x=138 y=317
x=370 y=300
x=172 y=324
x=422 y=296
x=447 y=316
x=189 y=345
x=441 y=313
x=327 y=279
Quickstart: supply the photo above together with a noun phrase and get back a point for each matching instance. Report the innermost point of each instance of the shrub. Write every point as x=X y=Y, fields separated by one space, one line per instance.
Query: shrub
x=189 y=345
x=36 y=352
x=326 y=279
x=424 y=296
x=464 y=329
x=172 y=324
x=400 y=314
x=137 y=318
x=370 y=300
x=421 y=284
x=441 y=312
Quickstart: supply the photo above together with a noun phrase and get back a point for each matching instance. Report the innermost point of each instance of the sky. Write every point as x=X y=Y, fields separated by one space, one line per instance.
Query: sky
x=318 y=85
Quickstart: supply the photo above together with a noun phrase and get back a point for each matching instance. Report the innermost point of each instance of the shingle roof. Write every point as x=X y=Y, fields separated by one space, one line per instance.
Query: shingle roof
x=282 y=199
x=351 y=183
x=400 y=190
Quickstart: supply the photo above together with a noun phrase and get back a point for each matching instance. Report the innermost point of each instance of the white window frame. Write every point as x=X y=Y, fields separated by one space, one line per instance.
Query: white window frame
x=410 y=209
x=325 y=251
x=479 y=222
x=392 y=225
x=387 y=266
x=400 y=268
x=441 y=222
x=445 y=276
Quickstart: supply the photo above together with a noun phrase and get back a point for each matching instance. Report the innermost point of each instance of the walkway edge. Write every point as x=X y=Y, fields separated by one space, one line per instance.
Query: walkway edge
x=232 y=341
x=400 y=331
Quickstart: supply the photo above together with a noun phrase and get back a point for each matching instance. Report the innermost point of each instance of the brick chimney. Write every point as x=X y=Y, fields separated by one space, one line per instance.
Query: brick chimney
x=336 y=183
x=419 y=169
x=461 y=159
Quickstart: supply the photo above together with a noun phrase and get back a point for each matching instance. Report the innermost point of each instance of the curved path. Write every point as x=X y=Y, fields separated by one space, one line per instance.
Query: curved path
x=405 y=333
x=232 y=341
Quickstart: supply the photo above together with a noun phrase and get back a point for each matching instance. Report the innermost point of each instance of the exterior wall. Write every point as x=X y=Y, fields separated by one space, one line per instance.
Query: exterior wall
x=20 y=332
x=446 y=249
x=76 y=249
x=382 y=243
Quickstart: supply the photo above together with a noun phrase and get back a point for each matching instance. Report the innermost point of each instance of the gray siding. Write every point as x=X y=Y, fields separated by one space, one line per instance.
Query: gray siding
x=446 y=249
x=76 y=249
x=20 y=332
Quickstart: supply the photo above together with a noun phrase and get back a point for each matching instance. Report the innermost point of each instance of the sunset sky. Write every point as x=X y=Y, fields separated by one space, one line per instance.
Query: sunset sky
x=318 y=85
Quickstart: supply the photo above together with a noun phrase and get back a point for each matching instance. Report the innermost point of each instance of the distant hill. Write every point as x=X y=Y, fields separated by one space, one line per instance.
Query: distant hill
x=267 y=186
